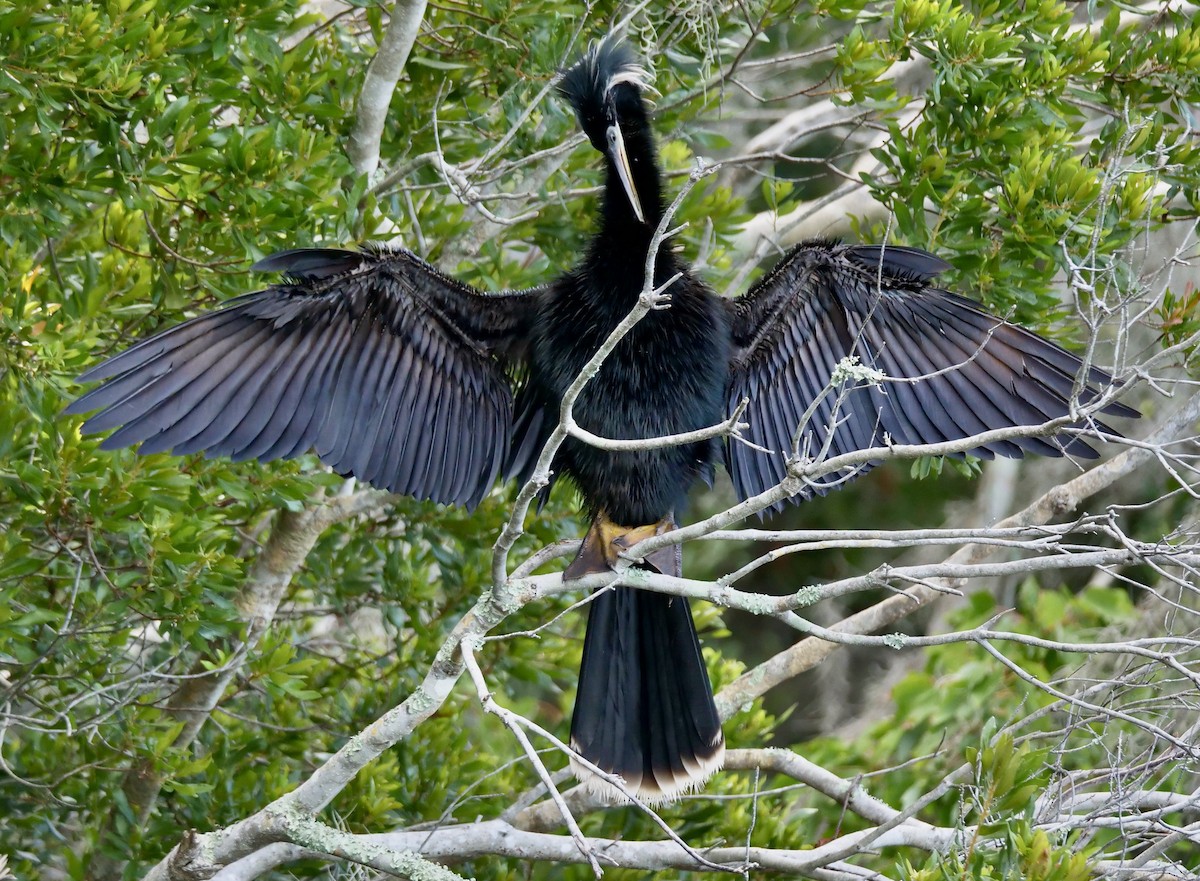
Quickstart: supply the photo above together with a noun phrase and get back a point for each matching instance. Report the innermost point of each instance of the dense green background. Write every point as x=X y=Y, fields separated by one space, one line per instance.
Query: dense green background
x=153 y=149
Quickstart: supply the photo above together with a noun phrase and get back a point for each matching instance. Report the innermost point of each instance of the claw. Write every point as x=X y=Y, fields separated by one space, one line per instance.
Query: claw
x=607 y=541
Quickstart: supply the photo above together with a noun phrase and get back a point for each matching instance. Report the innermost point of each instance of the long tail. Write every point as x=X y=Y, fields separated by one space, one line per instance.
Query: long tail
x=645 y=708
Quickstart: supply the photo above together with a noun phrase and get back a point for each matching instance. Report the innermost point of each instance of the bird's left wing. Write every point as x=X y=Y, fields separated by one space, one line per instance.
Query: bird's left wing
x=389 y=370
x=952 y=370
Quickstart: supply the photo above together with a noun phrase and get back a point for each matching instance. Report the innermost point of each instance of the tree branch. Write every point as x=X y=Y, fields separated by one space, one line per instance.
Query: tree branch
x=1059 y=500
x=498 y=838
x=380 y=83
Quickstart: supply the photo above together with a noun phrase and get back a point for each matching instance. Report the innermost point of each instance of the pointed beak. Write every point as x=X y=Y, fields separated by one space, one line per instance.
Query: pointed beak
x=616 y=152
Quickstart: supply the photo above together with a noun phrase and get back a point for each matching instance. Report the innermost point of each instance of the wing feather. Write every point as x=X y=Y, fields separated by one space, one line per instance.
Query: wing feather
x=311 y=401
x=493 y=434
x=172 y=339
x=373 y=442
x=398 y=415
x=280 y=360
x=989 y=390
x=272 y=412
x=200 y=429
x=433 y=462
x=387 y=369
x=150 y=414
x=1034 y=402
x=458 y=442
x=416 y=437
x=352 y=389
x=917 y=409
x=344 y=393
x=967 y=407
x=964 y=371
x=144 y=381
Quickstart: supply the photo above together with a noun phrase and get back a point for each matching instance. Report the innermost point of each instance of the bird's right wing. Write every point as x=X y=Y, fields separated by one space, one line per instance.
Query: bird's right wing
x=389 y=370
x=952 y=370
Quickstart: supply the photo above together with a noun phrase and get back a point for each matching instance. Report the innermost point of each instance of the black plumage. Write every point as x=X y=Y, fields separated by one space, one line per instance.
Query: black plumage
x=403 y=377
x=389 y=370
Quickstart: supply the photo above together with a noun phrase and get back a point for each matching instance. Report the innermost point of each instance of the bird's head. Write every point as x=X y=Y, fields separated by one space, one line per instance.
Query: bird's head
x=604 y=87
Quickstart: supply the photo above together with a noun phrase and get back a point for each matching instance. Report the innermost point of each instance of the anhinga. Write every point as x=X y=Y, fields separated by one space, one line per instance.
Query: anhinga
x=404 y=378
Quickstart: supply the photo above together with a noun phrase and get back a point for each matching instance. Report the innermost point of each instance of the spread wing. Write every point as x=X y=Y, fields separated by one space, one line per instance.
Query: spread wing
x=389 y=370
x=968 y=371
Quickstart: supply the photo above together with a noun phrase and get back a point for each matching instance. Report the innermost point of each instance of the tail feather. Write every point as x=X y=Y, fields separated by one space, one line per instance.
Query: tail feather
x=645 y=709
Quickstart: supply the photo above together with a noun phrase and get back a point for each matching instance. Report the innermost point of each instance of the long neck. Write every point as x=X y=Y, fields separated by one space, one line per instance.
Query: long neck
x=618 y=253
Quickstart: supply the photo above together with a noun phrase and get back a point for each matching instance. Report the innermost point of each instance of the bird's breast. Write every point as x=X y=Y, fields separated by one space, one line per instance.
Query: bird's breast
x=667 y=375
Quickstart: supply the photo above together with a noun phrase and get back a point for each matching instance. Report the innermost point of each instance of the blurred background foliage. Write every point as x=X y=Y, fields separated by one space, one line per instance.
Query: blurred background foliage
x=154 y=149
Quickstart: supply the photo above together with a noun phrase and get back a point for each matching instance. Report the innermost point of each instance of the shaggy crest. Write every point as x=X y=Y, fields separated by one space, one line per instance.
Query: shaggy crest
x=605 y=65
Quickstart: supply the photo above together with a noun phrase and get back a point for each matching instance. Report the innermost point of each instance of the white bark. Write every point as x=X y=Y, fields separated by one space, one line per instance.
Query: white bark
x=380 y=84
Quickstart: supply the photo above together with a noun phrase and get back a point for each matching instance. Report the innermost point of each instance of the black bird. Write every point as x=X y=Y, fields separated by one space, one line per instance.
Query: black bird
x=404 y=378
